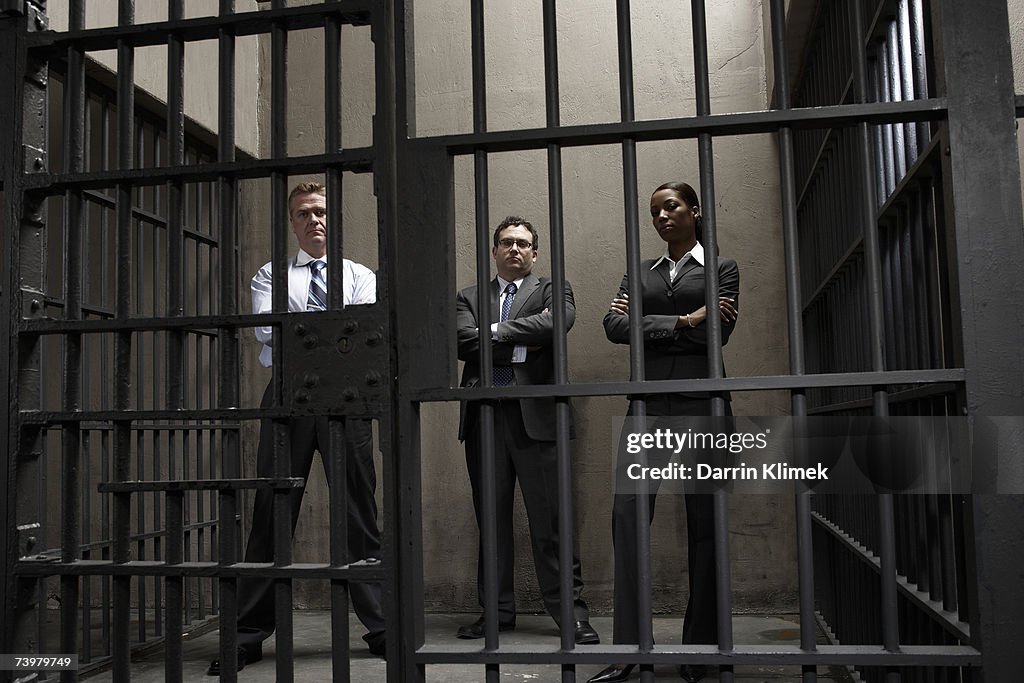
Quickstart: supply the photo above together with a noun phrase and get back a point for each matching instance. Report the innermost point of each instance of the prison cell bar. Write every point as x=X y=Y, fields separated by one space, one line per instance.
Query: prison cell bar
x=338 y=459
x=637 y=406
x=227 y=342
x=794 y=326
x=488 y=483
x=559 y=343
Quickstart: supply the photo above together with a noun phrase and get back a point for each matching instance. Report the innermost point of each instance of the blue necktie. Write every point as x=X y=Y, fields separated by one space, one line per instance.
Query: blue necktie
x=503 y=373
x=317 y=287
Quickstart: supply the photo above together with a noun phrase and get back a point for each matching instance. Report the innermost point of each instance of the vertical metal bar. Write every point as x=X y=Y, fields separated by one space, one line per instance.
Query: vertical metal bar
x=175 y=345
x=984 y=171
x=74 y=225
x=23 y=245
x=175 y=208
x=906 y=61
x=723 y=587
x=559 y=345
x=918 y=58
x=126 y=134
x=337 y=462
x=227 y=337
x=175 y=503
x=488 y=526
x=887 y=551
x=335 y=301
x=794 y=309
x=637 y=408
x=279 y=207
x=105 y=399
x=431 y=193
x=892 y=71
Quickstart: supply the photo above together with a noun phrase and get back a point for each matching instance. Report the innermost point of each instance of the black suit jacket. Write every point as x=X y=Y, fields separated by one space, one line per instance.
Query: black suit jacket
x=671 y=353
x=530 y=323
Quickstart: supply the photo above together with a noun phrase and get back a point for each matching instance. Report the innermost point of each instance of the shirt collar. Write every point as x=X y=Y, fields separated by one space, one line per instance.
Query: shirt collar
x=302 y=258
x=503 y=283
x=697 y=253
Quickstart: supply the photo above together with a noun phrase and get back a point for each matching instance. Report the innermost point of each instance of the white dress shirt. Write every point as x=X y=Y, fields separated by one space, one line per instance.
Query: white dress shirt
x=359 y=281
x=519 y=350
x=673 y=266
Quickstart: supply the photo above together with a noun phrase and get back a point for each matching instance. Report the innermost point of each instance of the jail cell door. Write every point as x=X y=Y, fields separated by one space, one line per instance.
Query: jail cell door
x=127 y=235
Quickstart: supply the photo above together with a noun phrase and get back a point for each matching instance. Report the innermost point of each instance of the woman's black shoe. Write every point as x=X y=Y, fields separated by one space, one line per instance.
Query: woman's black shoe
x=613 y=674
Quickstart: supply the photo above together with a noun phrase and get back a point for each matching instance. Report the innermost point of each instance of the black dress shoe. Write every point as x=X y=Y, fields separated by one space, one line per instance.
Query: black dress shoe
x=613 y=674
x=476 y=629
x=247 y=654
x=693 y=673
x=585 y=634
x=377 y=643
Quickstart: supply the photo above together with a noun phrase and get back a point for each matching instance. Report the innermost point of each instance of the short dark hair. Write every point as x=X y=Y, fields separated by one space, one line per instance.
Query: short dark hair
x=689 y=195
x=516 y=220
x=310 y=187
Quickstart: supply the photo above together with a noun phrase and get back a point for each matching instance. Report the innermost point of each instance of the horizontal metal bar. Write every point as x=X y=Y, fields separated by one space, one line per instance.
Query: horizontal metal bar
x=895 y=398
x=354 y=12
x=745 y=123
x=357 y=160
x=163 y=427
x=191 y=323
x=135 y=538
x=357 y=571
x=108 y=314
x=948 y=620
x=182 y=485
x=740 y=655
x=756 y=383
x=1018 y=102
x=761 y=383
x=44 y=417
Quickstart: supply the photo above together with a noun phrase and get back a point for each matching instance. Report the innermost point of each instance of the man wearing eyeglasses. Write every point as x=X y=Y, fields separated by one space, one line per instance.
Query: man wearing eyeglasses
x=521 y=337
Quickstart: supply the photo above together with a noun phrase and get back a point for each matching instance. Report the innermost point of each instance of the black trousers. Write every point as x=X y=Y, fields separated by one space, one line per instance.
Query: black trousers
x=256 y=618
x=535 y=464
x=700 y=621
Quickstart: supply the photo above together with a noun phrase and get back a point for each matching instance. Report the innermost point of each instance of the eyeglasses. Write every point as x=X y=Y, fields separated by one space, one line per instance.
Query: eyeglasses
x=507 y=243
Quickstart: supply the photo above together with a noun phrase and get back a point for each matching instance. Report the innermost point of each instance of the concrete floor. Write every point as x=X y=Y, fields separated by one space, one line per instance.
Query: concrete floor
x=313 y=656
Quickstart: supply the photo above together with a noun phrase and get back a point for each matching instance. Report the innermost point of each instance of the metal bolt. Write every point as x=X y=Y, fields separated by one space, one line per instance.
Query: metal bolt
x=38 y=162
x=35 y=304
x=344 y=345
x=311 y=379
x=349 y=394
x=40 y=24
x=310 y=341
x=374 y=338
x=351 y=326
x=301 y=396
x=372 y=378
x=299 y=329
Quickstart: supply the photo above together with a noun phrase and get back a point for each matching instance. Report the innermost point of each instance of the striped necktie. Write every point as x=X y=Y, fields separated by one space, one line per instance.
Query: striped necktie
x=317 y=300
x=503 y=374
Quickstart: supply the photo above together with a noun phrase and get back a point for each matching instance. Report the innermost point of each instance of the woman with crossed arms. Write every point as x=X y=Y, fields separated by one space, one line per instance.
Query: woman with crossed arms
x=675 y=347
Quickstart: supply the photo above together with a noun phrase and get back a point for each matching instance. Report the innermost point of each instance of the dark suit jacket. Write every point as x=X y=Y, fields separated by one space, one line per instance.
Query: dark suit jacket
x=528 y=324
x=671 y=353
